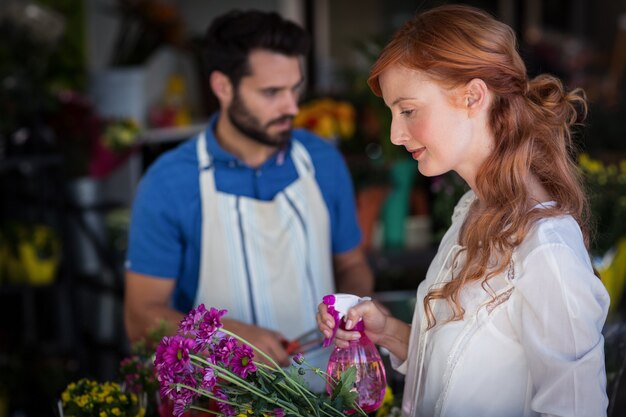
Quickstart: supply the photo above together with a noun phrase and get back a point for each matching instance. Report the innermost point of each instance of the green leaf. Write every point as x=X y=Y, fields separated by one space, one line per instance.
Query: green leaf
x=344 y=394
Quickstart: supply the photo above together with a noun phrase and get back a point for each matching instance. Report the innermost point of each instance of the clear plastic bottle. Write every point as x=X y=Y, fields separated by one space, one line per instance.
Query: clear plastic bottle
x=362 y=354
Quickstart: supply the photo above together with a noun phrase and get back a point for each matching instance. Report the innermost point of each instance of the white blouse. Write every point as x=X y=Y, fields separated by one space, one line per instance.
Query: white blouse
x=533 y=347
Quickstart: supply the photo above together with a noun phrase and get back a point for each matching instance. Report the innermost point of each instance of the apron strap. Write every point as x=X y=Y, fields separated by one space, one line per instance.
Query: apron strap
x=204 y=159
x=301 y=159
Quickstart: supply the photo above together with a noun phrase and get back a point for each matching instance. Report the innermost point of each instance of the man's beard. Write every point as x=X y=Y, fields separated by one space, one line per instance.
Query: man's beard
x=244 y=121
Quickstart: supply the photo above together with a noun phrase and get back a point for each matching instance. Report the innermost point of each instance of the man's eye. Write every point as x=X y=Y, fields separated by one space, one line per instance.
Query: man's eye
x=270 y=93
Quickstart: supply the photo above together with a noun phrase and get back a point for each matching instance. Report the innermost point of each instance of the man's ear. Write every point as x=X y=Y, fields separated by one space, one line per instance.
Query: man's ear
x=476 y=95
x=221 y=86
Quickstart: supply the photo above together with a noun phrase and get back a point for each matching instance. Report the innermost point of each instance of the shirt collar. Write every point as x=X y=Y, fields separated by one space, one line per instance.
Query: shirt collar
x=221 y=155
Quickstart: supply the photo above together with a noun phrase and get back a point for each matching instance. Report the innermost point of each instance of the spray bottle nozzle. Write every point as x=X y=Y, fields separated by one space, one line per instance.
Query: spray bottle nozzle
x=338 y=306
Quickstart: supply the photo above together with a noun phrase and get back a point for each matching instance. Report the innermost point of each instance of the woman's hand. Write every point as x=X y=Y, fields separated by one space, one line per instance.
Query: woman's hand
x=374 y=320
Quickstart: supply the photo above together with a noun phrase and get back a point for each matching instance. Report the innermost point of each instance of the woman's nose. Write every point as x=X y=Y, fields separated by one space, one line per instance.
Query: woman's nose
x=397 y=135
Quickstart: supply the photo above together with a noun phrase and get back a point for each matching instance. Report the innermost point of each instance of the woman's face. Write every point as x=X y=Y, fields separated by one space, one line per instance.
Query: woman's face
x=434 y=124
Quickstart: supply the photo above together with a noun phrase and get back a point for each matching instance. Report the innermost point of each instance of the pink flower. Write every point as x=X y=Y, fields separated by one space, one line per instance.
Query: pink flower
x=209 y=325
x=241 y=362
x=173 y=353
x=190 y=322
x=224 y=348
x=226 y=409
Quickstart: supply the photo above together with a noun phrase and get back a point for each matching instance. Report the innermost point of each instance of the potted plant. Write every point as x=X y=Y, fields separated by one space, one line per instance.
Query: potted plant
x=144 y=27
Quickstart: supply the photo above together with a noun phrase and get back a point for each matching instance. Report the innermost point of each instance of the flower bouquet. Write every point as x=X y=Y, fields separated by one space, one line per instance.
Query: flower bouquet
x=204 y=362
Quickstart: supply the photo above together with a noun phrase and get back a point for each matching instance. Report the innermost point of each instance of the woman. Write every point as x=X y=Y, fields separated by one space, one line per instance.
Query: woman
x=508 y=320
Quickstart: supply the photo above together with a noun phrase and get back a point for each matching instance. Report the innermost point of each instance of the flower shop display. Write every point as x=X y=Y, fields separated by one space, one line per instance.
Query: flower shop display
x=91 y=144
x=87 y=398
x=29 y=254
x=203 y=361
x=137 y=370
x=121 y=88
x=606 y=185
x=331 y=119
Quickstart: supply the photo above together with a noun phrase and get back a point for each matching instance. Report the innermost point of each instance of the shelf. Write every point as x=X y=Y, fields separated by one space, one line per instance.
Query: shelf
x=170 y=134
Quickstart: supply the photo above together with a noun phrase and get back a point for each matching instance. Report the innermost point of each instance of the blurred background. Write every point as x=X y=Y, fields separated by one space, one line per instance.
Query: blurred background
x=92 y=91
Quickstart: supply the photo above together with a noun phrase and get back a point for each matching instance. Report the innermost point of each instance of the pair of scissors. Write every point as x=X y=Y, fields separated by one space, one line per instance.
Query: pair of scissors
x=306 y=342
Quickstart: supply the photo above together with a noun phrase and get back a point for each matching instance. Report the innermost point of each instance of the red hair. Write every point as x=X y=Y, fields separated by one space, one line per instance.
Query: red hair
x=531 y=122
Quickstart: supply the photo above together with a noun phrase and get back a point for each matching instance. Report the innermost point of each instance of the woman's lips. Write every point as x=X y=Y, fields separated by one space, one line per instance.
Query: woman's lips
x=416 y=153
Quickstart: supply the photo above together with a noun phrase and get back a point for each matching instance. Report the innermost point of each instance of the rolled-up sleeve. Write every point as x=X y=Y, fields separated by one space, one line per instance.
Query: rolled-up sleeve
x=558 y=310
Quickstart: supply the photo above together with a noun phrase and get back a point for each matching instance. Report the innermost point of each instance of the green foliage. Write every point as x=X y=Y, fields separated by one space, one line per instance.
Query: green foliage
x=344 y=394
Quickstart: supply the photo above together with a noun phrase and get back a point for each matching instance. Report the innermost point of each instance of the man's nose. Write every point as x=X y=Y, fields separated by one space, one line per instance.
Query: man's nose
x=290 y=103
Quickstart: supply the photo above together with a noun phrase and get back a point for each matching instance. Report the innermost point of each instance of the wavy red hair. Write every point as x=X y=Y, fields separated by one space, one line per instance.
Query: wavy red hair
x=531 y=122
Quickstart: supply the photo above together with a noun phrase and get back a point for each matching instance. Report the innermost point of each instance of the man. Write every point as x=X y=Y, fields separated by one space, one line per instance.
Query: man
x=249 y=216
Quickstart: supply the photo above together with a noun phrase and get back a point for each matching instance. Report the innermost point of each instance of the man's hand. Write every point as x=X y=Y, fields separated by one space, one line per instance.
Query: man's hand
x=266 y=340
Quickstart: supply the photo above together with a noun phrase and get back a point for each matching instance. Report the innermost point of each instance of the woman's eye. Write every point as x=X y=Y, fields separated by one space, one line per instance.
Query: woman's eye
x=406 y=112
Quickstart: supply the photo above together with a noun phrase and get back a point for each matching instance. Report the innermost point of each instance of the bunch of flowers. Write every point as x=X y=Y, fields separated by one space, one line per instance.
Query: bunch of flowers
x=328 y=118
x=120 y=134
x=90 y=144
x=87 y=398
x=137 y=371
x=204 y=361
x=606 y=185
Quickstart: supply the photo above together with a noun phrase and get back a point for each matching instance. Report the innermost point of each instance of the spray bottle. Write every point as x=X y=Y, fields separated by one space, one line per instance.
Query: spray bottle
x=362 y=354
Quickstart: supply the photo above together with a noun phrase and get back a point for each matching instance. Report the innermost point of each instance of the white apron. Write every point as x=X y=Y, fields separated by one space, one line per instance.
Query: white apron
x=267 y=262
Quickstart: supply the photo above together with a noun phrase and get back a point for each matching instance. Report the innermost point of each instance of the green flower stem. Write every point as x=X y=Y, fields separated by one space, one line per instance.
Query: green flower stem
x=207 y=394
x=236 y=380
x=204 y=410
x=281 y=383
x=297 y=387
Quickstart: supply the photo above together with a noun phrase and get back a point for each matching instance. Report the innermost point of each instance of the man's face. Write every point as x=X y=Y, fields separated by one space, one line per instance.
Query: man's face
x=266 y=101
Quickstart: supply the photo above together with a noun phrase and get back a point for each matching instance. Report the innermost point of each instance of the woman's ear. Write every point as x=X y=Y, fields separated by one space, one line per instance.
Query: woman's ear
x=476 y=96
x=222 y=87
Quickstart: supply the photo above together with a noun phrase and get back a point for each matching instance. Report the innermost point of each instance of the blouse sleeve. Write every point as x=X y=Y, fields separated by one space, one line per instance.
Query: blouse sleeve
x=558 y=310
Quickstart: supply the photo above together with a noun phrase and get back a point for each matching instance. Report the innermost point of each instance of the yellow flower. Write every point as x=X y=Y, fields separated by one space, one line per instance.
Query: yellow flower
x=103 y=414
x=116 y=411
x=82 y=401
x=327 y=118
x=385 y=407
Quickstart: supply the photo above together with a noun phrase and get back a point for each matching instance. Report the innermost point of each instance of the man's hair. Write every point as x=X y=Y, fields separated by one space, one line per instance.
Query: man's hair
x=231 y=37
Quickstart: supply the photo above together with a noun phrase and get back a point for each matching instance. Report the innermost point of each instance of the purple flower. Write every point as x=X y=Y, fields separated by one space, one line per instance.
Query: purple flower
x=298 y=358
x=167 y=382
x=241 y=362
x=226 y=409
x=173 y=353
x=190 y=322
x=208 y=326
x=180 y=406
x=279 y=412
x=224 y=348
x=181 y=396
x=208 y=379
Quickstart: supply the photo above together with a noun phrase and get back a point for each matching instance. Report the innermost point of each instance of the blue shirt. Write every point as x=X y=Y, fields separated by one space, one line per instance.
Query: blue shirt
x=166 y=223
